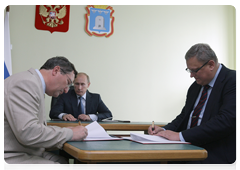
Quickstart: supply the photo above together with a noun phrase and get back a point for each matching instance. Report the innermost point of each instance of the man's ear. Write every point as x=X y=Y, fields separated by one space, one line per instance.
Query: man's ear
x=88 y=85
x=55 y=70
x=212 y=64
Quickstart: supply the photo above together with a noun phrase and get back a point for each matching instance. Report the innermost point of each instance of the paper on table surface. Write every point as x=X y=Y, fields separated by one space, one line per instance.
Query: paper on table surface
x=150 y=139
x=110 y=120
x=97 y=132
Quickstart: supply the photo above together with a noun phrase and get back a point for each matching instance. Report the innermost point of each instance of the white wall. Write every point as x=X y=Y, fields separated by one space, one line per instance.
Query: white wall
x=139 y=70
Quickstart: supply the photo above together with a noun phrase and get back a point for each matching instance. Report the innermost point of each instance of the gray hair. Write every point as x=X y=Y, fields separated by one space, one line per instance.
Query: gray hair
x=65 y=65
x=202 y=52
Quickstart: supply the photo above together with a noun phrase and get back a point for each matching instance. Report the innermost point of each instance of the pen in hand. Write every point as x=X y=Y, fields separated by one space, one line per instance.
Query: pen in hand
x=153 y=128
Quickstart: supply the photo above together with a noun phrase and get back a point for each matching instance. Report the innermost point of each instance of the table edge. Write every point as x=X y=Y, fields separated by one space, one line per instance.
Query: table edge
x=135 y=155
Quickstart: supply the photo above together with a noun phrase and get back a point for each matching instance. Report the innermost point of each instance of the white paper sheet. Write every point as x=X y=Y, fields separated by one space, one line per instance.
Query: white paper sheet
x=96 y=132
x=151 y=139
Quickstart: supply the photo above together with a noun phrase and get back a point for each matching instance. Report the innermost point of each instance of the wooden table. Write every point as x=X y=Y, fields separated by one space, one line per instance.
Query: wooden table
x=127 y=151
x=108 y=126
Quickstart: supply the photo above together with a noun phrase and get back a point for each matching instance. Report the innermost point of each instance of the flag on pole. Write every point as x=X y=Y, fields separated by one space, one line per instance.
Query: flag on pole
x=7 y=47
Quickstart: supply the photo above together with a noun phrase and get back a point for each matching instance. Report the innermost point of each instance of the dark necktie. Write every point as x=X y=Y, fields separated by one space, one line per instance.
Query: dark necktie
x=199 y=107
x=80 y=106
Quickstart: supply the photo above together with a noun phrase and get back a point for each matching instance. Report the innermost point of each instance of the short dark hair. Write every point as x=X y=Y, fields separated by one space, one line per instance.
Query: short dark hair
x=202 y=52
x=65 y=65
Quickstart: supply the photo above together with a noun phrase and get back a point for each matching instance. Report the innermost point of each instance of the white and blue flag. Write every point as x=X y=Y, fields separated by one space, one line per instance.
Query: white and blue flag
x=7 y=48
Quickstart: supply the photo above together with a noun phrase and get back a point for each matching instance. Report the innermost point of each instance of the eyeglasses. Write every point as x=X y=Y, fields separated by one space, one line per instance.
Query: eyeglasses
x=195 y=71
x=71 y=83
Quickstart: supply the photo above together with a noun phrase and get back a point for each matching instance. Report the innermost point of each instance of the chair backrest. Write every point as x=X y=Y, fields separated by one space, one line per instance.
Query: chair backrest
x=54 y=99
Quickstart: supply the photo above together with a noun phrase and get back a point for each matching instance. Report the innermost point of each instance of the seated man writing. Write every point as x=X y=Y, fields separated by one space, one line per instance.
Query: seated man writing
x=80 y=104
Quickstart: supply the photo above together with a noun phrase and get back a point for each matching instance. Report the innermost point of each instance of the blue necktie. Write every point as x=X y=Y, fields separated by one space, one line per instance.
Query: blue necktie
x=199 y=107
x=80 y=106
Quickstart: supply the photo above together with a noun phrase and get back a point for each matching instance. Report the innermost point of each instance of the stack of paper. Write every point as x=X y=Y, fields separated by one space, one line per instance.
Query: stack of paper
x=96 y=132
x=150 y=139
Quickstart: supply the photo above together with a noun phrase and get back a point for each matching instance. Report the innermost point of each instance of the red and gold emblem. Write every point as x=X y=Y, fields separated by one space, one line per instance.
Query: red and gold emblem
x=52 y=17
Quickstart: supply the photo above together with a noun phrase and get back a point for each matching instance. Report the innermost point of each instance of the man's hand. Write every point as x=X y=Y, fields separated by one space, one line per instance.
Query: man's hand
x=69 y=117
x=155 y=131
x=79 y=133
x=84 y=117
x=170 y=135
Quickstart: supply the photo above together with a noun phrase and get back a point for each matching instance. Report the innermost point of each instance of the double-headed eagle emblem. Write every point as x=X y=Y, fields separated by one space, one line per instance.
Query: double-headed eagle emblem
x=53 y=16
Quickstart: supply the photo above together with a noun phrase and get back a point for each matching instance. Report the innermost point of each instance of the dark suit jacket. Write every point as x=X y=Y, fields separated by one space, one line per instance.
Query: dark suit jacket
x=67 y=103
x=217 y=131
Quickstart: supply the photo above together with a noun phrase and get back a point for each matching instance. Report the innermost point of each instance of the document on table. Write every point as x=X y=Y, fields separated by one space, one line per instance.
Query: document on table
x=96 y=132
x=109 y=119
x=151 y=139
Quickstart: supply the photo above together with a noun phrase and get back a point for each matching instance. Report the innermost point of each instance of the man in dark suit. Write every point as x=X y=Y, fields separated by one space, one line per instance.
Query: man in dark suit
x=208 y=118
x=80 y=104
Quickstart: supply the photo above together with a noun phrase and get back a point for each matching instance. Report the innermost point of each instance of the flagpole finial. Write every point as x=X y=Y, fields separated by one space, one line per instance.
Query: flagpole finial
x=7 y=8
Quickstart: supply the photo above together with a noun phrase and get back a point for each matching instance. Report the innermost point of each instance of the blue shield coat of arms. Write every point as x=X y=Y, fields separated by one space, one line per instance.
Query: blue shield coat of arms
x=99 y=21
